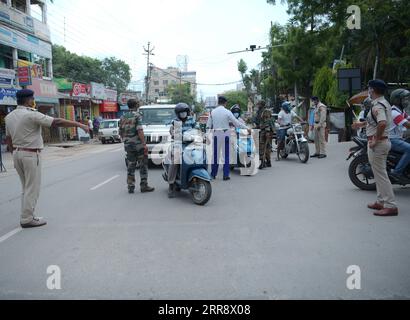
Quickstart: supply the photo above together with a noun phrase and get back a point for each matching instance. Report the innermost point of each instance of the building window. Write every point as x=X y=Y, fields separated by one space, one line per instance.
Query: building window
x=44 y=63
x=37 y=11
x=165 y=82
x=156 y=90
x=6 y=57
x=24 y=55
x=19 y=5
x=156 y=83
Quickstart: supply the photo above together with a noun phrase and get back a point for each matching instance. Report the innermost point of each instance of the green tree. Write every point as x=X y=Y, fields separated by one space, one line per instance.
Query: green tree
x=237 y=97
x=117 y=73
x=181 y=93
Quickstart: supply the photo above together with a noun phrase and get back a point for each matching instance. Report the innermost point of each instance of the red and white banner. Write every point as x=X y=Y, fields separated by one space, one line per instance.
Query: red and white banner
x=81 y=90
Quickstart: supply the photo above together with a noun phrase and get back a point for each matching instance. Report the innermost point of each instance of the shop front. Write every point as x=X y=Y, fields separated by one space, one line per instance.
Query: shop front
x=46 y=97
x=109 y=109
x=8 y=103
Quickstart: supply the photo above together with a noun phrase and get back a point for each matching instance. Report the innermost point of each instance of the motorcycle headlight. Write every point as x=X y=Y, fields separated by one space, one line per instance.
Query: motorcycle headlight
x=290 y=132
x=298 y=129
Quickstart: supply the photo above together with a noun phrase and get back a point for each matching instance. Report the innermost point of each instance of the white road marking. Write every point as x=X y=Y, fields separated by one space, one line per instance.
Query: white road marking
x=104 y=183
x=10 y=234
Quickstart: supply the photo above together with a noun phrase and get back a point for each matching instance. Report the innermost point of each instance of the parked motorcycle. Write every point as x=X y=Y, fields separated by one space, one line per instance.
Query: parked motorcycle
x=295 y=143
x=360 y=170
x=193 y=170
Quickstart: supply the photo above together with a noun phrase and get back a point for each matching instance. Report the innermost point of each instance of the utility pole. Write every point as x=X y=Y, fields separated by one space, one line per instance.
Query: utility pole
x=148 y=52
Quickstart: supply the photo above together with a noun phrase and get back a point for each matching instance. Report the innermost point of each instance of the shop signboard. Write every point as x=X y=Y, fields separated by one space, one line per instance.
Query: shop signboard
x=7 y=76
x=109 y=106
x=24 y=75
x=8 y=96
x=81 y=90
x=125 y=96
x=110 y=95
x=97 y=91
x=44 y=91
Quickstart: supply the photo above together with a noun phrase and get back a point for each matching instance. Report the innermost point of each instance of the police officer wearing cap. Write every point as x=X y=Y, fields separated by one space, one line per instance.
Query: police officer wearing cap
x=23 y=134
x=378 y=122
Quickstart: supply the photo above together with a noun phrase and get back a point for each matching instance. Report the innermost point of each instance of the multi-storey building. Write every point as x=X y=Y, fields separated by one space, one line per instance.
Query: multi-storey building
x=26 y=56
x=161 y=79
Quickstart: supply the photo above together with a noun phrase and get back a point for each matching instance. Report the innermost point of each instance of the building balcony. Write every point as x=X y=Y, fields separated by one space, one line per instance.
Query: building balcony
x=24 y=16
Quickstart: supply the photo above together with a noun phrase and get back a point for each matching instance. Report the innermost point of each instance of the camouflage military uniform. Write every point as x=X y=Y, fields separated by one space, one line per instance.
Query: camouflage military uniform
x=129 y=125
x=267 y=127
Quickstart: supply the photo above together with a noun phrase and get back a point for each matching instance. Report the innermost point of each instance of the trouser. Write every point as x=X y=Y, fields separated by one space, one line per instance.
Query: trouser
x=137 y=160
x=378 y=162
x=320 y=141
x=265 y=146
x=399 y=145
x=176 y=160
x=28 y=166
x=91 y=134
x=221 y=146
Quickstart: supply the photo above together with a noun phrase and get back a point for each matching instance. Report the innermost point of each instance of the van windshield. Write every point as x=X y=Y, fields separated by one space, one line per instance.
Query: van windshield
x=109 y=124
x=157 y=116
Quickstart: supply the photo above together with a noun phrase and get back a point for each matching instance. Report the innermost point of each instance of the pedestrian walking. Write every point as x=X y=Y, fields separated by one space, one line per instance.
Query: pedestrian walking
x=219 y=122
x=91 y=127
x=320 y=128
x=96 y=126
x=23 y=132
x=132 y=133
x=378 y=122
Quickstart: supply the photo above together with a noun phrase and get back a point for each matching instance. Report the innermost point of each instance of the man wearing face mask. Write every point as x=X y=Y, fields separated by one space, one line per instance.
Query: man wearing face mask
x=183 y=122
x=237 y=112
x=378 y=122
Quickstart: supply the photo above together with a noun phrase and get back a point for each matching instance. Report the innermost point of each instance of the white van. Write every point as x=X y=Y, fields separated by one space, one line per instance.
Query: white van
x=109 y=131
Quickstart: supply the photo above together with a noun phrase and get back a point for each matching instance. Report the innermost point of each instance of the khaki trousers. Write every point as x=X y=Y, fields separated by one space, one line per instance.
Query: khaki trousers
x=28 y=166
x=378 y=161
x=320 y=141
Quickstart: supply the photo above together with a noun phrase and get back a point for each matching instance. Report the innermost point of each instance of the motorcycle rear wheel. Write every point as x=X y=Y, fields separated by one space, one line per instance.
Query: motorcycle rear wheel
x=356 y=169
x=201 y=192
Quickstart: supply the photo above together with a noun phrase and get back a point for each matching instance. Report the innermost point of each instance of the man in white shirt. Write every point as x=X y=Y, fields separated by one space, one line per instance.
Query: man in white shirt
x=219 y=121
x=90 y=125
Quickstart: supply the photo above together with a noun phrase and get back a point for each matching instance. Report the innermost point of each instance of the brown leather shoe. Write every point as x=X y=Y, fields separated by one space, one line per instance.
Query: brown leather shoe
x=387 y=212
x=376 y=206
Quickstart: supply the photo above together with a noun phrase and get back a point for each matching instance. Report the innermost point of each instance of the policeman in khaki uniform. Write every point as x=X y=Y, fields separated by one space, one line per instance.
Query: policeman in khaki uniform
x=320 y=128
x=378 y=122
x=23 y=134
x=132 y=133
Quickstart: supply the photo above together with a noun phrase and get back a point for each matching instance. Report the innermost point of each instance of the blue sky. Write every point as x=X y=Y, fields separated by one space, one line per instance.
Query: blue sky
x=205 y=30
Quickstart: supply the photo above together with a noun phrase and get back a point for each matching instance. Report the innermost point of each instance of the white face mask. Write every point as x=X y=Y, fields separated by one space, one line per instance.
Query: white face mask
x=183 y=115
x=237 y=115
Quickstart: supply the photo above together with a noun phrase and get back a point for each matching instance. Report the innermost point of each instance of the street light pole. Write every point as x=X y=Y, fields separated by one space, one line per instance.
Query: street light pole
x=148 y=52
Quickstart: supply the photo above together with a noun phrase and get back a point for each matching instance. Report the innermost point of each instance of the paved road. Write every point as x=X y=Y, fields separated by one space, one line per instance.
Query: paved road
x=288 y=233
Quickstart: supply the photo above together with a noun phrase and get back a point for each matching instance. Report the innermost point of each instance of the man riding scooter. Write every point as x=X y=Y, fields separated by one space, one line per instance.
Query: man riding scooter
x=285 y=118
x=183 y=122
x=400 y=100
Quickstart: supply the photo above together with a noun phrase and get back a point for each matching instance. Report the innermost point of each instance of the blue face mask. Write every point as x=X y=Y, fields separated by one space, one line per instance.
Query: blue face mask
x=237 y=115
x=183 y=115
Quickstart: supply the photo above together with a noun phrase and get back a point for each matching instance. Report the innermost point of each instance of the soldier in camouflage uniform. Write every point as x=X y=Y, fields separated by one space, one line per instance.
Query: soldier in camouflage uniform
x=134 y=143
x=267 y=127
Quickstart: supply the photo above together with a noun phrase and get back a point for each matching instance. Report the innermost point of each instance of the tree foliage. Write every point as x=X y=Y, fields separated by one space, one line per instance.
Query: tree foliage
x=237 y=97
x=110 y=71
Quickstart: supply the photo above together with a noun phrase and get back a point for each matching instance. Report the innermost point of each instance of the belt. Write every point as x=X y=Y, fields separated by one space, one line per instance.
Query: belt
x=27 y=150
x=373 y=137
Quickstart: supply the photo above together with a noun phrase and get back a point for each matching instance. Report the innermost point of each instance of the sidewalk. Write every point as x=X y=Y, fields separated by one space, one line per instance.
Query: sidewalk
x=52 y=152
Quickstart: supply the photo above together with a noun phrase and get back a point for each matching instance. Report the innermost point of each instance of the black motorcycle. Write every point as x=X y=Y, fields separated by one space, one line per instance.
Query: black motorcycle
x=360 y=170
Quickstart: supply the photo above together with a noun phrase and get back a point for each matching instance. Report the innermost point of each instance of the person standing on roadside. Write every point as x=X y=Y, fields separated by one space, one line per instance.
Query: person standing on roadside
x=91 y=127
x=378 y=123
x=320 y=128
x=23 y=134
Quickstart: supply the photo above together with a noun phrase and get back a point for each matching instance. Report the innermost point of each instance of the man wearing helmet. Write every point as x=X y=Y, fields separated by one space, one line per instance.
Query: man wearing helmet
x=400 y=99
x=377 y=124
x=285 y=118
x=183 y=122
x=237 y=112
